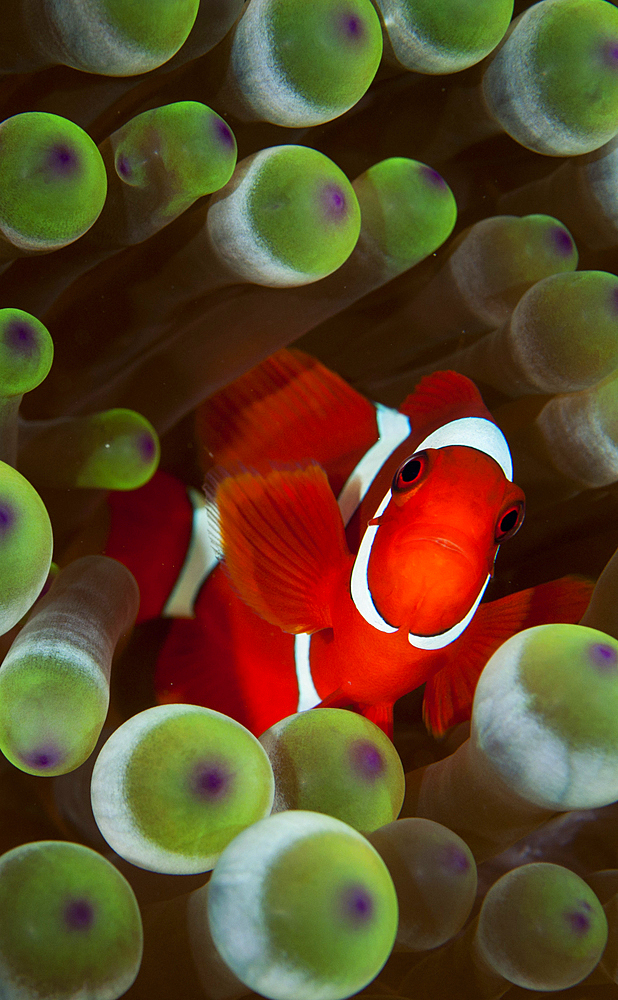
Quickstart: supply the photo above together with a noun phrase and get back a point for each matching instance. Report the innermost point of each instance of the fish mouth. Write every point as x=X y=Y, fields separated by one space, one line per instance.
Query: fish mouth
x=461 y=548
x=446 y=543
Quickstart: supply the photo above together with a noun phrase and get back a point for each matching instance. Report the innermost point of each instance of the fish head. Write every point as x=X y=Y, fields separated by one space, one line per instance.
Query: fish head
x=437 y=537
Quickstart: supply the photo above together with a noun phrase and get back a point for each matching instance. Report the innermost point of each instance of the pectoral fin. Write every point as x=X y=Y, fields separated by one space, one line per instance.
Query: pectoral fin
x=284 y=545
x=450 y=692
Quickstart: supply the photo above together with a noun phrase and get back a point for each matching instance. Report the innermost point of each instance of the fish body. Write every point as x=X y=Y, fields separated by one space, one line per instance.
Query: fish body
x=358 y=544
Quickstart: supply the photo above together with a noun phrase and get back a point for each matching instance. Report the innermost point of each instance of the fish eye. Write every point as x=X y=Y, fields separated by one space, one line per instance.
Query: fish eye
x=510 y=522
x=410 y=472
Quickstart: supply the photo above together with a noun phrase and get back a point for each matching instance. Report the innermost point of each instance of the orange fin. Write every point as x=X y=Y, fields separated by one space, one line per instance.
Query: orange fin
x=441 y=397
x=336 y=699
x=289 y=408
x=381 y=715
x=283 y=542
x=563 y=600
x=450 y=692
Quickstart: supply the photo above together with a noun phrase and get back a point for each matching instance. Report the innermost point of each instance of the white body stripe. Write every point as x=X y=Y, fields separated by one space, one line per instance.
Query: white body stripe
x=473 y=432
x=442 y=639
x=359 y=584
x=308 y=697
x=470 y=432
x=393 y=429
x=199 y=562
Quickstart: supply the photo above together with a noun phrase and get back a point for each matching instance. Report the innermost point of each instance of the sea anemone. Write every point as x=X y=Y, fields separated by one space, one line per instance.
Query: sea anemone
x=396 y=187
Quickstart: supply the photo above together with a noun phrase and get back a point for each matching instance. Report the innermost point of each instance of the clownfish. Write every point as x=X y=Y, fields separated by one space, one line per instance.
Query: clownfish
x=357 y=540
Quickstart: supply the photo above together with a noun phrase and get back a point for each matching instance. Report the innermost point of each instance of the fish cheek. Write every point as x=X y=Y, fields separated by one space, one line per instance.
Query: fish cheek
x=391 y=571
x=418 y=584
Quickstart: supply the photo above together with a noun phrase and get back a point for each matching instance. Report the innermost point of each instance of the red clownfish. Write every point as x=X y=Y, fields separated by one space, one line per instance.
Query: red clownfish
x=358 y=542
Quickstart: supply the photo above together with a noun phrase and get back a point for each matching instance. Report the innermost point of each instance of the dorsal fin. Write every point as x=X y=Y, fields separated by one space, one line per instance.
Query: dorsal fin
x=283 y=543
x=289 y=408
x=441 y=397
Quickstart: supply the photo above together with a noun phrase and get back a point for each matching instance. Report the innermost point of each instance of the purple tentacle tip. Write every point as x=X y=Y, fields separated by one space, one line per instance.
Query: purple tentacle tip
x=561 y=239
x=43 y=758
x=352 y=26
x=579 y=919
x=79 y=915
x=146 y=447
x=20 y=337
x=7 y=517
x=224 y=133
x=356 y=905
x=366 y=760
x=610 y=53
x=433 y=177
x=123 y=167
x=62 y=160
x=454 y=859
x=334 y=201
x=603 y=656
x=211 y=781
